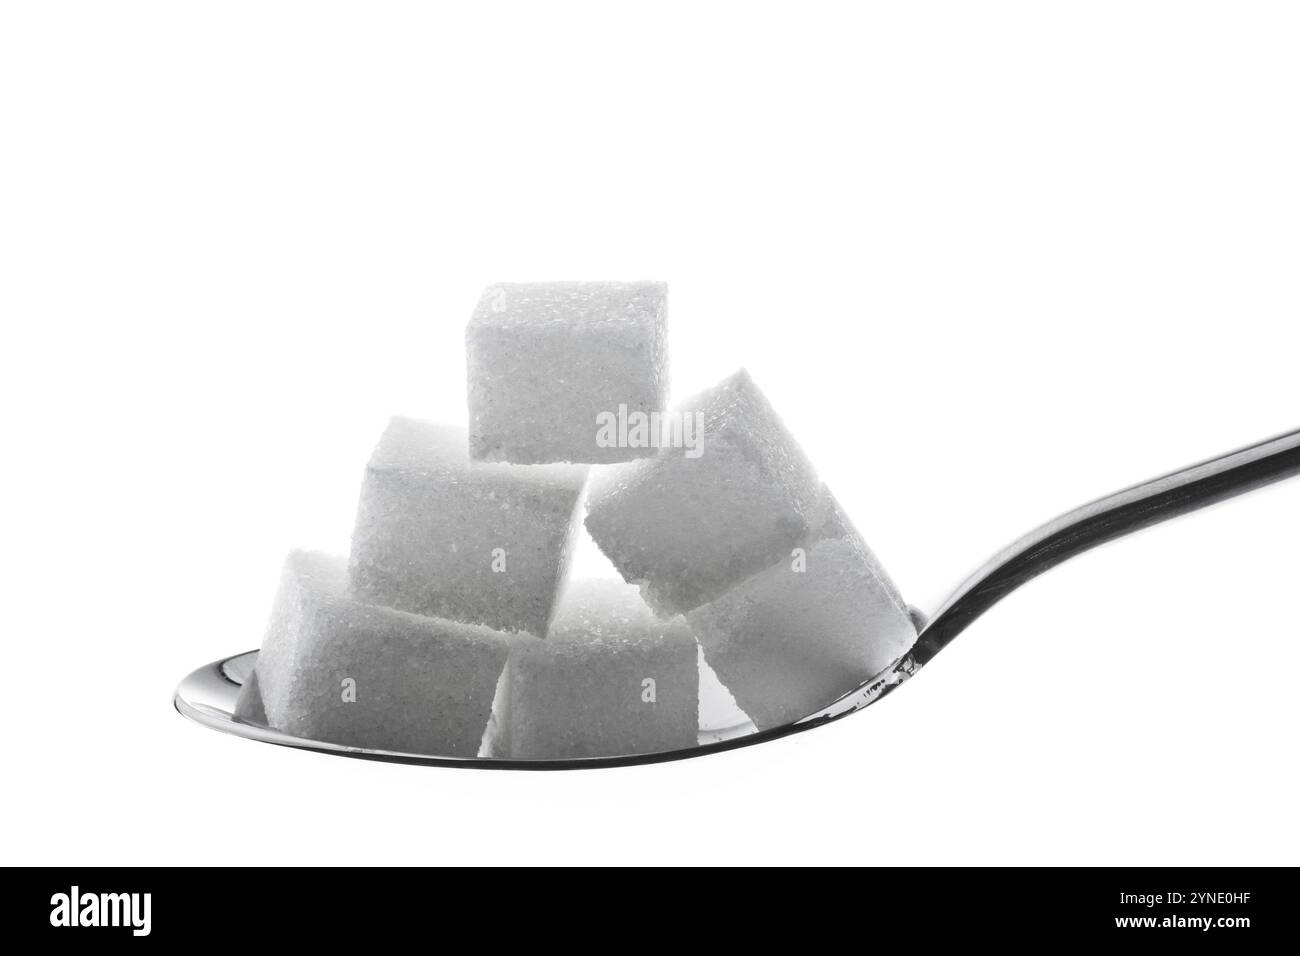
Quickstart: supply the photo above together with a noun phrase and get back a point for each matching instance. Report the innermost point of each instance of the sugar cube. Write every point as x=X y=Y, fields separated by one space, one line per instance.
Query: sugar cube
x=481 y=543
x=334 y=669
x=693 y=521
x=550 y=362
x=798 y=635
x=609 y=680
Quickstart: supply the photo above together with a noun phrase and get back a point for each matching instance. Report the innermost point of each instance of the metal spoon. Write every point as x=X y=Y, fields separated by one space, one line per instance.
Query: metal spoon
x=208 y=695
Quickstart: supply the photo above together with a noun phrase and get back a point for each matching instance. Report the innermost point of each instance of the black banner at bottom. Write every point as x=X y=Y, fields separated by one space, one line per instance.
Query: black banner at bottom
x=1225 y=907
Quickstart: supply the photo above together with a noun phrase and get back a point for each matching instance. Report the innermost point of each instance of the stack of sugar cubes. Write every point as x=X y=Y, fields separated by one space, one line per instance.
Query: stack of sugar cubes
x=452 y=628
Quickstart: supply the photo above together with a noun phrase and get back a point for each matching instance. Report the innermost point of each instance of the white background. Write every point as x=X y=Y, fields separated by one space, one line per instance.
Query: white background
x=988 y=261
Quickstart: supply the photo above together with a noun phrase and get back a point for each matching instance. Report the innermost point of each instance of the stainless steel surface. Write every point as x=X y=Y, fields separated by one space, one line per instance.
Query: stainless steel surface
x=208 y=695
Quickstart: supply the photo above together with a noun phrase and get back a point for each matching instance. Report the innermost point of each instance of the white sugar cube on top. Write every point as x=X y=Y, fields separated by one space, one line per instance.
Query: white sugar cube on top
x=696 y=519
x=795 y=637
x=334 y=669
x=439 y=535
x=566 y=371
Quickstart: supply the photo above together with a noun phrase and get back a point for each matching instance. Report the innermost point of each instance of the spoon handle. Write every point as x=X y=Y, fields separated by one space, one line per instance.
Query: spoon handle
x=1105 y=520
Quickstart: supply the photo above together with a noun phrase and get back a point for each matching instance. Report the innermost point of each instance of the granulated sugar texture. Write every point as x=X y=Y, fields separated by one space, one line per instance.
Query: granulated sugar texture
x=451 y=628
